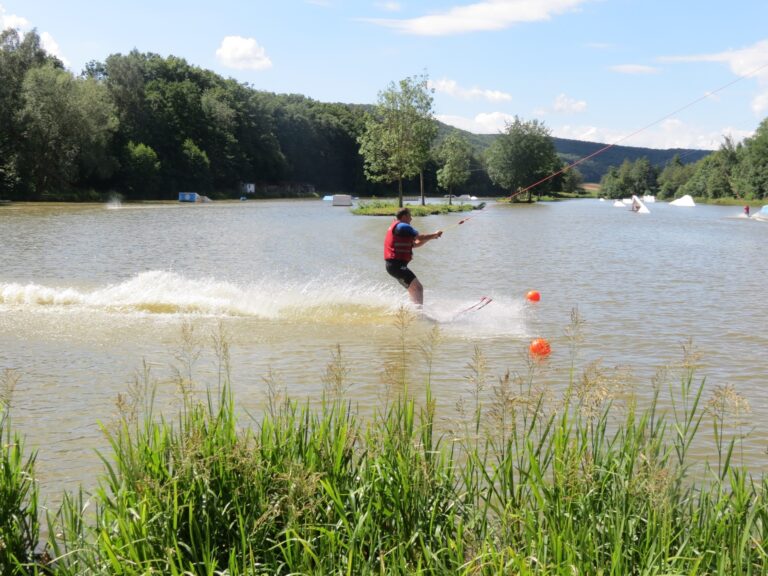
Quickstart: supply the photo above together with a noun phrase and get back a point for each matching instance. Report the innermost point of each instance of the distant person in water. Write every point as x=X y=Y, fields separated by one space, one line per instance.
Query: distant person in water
x=746 y=210
x=399 y=243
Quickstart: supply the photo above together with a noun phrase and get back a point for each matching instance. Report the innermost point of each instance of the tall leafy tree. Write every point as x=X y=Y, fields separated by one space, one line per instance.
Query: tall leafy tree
x=302 y=138
x=521 y=156
x=696 y=185
x=139 y=171
x=99 y=124
x=631 y=178
x=718 y=175
x=17 y=57
x=397 y=136
x=754 y=164
x=573 y=180
x=454 y=155
x=195 y=167
x=125 y=79
x=643 y=177
x=425 y=127
x=68 y=126
x=719 y=179
x=610 y=185
x=260 y=156
x=674 y=175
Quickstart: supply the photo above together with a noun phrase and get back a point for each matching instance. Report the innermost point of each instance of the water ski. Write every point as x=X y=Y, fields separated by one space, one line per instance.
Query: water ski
x=447 y=317
x=482 y=303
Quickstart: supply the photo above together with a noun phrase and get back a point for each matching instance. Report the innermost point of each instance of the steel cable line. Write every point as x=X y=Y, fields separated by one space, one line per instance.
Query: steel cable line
x=638 y=131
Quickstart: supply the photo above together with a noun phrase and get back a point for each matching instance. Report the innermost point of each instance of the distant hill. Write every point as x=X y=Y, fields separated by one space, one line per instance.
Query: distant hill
x=593 y=169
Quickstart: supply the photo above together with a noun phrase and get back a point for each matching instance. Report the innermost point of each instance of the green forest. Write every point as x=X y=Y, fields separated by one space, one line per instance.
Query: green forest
x=141 y=126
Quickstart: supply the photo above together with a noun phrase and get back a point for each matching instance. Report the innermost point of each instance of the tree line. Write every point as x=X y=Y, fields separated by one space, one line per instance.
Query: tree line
x=733 y=171
x=147 y=127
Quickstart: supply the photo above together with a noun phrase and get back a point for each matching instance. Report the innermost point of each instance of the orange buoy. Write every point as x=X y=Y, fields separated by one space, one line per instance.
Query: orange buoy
x=539 y=348
x=533 y=296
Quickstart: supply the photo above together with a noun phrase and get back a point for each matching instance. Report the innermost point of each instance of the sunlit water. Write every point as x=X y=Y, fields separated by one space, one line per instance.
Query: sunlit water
x=88 y=294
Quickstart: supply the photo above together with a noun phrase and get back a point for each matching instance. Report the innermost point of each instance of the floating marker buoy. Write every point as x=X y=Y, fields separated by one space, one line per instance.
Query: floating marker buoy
x=540 y=348
x=533 y=296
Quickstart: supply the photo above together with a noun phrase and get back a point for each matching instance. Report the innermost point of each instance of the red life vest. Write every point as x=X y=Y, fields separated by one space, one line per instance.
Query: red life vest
x=398 y=247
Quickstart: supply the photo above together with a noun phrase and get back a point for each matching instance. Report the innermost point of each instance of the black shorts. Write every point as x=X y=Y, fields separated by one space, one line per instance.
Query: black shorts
x=399 y=269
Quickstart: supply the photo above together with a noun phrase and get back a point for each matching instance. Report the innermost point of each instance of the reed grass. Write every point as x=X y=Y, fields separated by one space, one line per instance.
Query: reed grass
x=19 y=495
x=587 y=483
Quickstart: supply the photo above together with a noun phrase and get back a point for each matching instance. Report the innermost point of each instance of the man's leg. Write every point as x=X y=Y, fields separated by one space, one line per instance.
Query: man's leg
x=416 y=292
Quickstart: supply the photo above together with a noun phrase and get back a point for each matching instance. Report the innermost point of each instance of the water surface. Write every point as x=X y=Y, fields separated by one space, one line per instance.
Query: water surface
x=89 y=293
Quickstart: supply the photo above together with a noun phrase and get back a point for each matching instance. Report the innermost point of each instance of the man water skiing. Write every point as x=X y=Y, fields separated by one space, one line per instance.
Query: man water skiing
x=399 y=243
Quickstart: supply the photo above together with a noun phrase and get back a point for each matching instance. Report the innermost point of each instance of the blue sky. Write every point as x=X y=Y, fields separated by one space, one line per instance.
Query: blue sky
x=655 y=73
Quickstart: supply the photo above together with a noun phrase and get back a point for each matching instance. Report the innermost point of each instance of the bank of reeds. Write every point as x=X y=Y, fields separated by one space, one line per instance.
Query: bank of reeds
x=523 y=483
x=19 y=522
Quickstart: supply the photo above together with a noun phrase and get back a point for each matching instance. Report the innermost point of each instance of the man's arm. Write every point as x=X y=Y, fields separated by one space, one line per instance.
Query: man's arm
x=422 y=239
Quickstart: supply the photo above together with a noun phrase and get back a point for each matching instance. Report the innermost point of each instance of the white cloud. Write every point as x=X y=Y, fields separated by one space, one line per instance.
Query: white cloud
x=486 y=123
x=242 y=53
x=52 y=47
x=12 y=21
x=452 y=88
x=671 y=133
x=562 y=105
x=634 y=69
x=568 y=105
x=388 y=6
x=23 y=25
x=760 y=103
x=749 y=62
x=481 y=16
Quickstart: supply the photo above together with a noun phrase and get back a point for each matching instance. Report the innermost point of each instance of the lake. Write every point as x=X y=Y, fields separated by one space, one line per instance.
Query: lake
x=89 y=294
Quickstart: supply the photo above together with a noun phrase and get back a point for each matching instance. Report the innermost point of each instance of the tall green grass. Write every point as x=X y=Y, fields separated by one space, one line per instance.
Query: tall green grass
x=521 y=482
x=19 y=523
